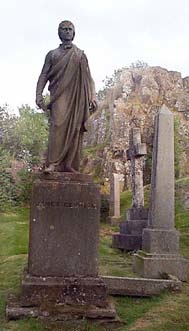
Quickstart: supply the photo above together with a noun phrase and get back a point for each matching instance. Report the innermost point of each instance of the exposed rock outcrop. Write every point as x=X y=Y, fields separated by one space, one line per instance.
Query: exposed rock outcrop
x=132 y=101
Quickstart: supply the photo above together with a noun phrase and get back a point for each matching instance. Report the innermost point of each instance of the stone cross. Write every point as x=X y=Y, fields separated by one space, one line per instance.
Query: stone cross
x=114 y=198
x=135 y=154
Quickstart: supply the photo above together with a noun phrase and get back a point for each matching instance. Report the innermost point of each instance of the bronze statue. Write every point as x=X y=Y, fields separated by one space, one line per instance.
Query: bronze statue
x=72 y=99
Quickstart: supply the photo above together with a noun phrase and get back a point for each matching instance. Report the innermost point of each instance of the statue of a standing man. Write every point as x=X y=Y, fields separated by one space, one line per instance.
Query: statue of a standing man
x=72 y=95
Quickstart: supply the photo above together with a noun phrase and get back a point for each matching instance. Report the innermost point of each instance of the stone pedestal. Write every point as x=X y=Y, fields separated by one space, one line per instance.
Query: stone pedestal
x=64 y=226
x=63 y=244
x=160 y=242
x=130 y=236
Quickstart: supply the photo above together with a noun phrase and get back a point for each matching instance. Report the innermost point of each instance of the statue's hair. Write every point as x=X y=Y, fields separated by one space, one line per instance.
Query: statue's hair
x=66 y=23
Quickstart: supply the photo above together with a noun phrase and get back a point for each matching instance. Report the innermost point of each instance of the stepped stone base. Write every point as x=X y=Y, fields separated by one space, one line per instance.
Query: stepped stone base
x=137 y=213
x=62 y=312
x=159 y=265
x=130 y=236
x=133 y=227
x=61 y=299
x=38 y=291
x=126 y=242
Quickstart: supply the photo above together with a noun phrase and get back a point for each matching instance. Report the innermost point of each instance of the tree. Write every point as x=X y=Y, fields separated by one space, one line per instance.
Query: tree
x=23 y=138
x=32 y=132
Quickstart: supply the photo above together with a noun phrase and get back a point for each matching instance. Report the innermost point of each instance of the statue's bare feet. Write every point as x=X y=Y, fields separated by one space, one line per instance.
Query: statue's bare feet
x=70 y=169
x=49 y=169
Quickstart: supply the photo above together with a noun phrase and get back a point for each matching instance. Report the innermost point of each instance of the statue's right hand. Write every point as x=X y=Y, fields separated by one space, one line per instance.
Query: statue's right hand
x=40 y=103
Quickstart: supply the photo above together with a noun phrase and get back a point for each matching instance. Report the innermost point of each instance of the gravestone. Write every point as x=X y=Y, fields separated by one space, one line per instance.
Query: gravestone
x=130 y=236
x=160 y=241
x=62 y=280
x=114 y=211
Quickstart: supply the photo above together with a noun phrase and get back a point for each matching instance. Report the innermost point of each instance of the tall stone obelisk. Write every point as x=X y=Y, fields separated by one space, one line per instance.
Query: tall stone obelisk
x=160 y=241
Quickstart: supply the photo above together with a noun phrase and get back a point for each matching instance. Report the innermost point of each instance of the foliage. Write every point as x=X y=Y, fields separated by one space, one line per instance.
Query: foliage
x=7 y=187
x=24 y=185
x=178 y=152
x=109 y=82
x=177 y=149
x=148 y=165
x=23 y=138
x=104 y=208
x=125 y=202
x=139 y=65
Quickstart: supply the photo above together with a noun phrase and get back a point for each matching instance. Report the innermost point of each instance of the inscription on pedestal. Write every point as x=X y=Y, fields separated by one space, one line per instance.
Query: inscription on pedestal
x=76 y=204
x=64 y=229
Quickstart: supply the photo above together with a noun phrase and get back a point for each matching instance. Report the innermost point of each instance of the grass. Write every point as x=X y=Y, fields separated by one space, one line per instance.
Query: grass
x=113 y=262
x=167 y=312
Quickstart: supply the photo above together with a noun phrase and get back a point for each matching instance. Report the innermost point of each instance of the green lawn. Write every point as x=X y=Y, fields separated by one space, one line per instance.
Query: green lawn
x=167 y=312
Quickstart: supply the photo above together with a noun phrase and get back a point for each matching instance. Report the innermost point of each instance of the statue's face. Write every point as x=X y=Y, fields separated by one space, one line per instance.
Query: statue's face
x=66 y=32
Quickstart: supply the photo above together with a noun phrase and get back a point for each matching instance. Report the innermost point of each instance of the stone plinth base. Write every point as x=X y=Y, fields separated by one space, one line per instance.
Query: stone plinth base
x=130 y=236
x=61 y=299
x=159 y=265
x=137 y=213
x=126 y=242
x=39 y=291
x=134 y=227
x=62 y=312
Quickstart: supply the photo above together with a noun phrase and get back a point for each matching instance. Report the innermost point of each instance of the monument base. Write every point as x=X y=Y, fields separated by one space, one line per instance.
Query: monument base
x=60 y=298
x=126 y=242
x=62 y=312
x=159 y=265
x=130 y=236
x=61 y=281
x=39 y=291
x=133 y=227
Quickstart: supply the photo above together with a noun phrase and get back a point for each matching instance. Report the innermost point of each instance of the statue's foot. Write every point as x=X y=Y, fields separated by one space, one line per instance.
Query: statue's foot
x=49 y=169
x=70 y=169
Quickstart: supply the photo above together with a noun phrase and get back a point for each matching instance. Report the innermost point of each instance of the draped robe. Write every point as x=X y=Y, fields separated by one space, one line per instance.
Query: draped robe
x=71 y=89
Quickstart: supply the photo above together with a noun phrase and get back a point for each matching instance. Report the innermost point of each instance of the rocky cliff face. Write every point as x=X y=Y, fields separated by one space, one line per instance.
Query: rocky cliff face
x=132 y=101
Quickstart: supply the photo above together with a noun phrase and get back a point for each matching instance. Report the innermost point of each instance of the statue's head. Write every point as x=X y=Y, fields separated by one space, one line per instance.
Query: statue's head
x=66 y=31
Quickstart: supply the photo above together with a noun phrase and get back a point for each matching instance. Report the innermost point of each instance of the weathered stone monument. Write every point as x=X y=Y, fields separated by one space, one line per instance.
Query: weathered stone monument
x=160 y=241
x=130 y=236
x=114 y=211
x=61 y=280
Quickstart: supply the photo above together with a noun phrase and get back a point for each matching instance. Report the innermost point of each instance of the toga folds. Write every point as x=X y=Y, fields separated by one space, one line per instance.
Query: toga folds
x=71 y=90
